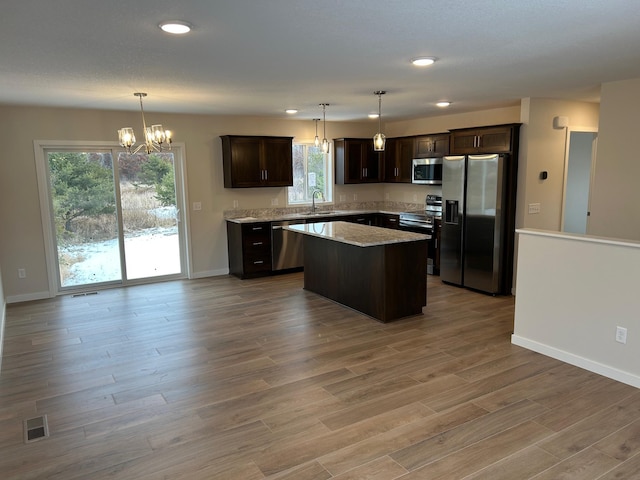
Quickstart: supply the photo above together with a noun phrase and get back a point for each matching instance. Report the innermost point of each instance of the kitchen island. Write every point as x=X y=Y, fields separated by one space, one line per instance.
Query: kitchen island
x=378 y=271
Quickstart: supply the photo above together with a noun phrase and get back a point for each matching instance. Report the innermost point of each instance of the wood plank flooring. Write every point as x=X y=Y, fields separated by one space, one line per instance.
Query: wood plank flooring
x=259 y=379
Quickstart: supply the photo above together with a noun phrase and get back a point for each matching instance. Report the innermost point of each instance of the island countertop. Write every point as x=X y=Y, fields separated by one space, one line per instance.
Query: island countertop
x=356 y=234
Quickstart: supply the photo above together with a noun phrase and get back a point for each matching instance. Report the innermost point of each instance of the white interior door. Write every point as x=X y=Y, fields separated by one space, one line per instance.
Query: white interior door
x=579 y=167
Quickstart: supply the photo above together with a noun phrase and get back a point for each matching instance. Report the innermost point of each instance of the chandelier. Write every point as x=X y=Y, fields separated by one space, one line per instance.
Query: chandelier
x=379 y=138
x=155 y=136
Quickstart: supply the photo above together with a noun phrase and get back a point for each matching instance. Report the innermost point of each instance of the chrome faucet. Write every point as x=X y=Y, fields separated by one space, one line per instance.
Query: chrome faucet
x=313 y=199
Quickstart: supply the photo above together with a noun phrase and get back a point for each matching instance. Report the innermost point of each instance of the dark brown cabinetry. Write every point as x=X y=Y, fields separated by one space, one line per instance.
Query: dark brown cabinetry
x=387 y=220
x=430 y=146
x=253 y=161
x=397 y=159
x=495 y=139
x=249 y=246
x=356 y=161
x=436 y=247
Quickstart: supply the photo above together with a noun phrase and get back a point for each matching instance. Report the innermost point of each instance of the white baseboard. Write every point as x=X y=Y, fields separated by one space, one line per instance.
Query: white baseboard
x=210 y=273
x=28 y=297
x=578 y=361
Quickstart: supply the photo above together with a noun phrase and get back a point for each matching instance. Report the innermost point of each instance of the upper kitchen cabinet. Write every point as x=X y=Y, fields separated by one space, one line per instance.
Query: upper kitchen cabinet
x=431 y=146
x=356 y=161
x=398 y=154
x=495 y=139
x=256 y=161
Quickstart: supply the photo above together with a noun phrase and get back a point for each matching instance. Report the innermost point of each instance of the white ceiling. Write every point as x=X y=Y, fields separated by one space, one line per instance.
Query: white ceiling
x=259 y=57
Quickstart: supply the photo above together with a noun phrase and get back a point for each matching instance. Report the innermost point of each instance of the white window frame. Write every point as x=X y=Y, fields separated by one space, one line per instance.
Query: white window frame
x=42 y=174
x=329 y=186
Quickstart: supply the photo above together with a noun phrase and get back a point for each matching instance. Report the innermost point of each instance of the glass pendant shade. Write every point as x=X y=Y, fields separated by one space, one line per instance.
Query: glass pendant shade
x=325 y=142
x=126 y=137
x=379 y=141
x=316 y=141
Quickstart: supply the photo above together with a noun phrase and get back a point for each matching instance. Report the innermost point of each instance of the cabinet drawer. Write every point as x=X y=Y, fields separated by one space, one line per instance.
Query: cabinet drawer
x=256 y=229
x=256 y=242
x=257 y=261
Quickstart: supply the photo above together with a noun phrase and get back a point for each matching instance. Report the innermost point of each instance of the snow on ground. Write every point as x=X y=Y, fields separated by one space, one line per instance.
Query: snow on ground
x=149 y=253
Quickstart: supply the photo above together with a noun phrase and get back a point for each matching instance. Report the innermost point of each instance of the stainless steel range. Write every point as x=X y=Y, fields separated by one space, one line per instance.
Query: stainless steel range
x=424 y=221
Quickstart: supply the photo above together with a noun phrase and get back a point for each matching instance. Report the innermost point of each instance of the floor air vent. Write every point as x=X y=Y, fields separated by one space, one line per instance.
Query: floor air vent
x=84 y=294
x=35 y=429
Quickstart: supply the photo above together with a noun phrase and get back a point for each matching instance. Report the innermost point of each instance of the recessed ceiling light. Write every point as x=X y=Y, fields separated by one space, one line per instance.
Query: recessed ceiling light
x=373 y=115
x=443 y=104
x=176 y=27
x=291 y=111
x=423 y=61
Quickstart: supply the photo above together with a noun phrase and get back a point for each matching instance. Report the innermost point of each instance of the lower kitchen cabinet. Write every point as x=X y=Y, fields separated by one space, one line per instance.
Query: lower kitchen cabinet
x=387 y=220
x=363 y=219
x=249 y=246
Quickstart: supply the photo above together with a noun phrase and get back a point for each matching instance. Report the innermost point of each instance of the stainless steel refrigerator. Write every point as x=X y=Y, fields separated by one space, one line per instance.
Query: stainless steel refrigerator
x=478 y=199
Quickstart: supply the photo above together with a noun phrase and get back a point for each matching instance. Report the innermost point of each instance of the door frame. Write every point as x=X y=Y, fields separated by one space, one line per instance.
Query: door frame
x=42 y=174
x=568 y=132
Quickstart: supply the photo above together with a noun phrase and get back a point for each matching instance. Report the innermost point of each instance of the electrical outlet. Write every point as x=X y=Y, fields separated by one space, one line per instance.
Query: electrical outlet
x=22 y=273
x=355 y=197
x=534 y=208
x=343 y=198
x=415 y=197
x=621 y=335
x=386 y=196
x=274 y=202
x=197 y=205
x=235 y=204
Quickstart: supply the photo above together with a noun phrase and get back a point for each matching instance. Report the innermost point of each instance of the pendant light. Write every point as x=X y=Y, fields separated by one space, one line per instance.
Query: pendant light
x=379 y=138
x=316 y=141
x=325 y=142
x=155 y=136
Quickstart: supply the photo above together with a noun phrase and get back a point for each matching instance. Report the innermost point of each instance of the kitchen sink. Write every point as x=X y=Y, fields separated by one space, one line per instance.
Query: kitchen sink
x=311 y=214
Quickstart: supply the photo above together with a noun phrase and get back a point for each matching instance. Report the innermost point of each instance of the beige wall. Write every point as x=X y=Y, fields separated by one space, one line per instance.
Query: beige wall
x=565 y=310
x=22 y=239
x=616 y=195
x=542 y=148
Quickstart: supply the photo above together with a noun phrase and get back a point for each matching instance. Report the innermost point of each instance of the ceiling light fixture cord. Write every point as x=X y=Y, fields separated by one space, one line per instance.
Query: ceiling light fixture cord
x=155 y=136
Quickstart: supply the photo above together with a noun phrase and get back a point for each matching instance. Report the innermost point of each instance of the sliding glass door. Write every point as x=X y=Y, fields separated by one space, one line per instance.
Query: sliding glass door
x=115 y=217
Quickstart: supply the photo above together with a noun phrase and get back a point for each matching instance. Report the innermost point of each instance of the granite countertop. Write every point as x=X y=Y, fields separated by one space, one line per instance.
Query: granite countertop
x=356 y=234
x=297 y=213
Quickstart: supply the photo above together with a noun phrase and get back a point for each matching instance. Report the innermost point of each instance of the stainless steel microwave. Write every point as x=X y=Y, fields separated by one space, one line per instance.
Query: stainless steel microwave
x=427 y=171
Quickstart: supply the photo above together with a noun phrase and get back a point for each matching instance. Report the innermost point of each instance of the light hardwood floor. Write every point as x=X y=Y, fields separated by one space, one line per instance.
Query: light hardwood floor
x=227 y=379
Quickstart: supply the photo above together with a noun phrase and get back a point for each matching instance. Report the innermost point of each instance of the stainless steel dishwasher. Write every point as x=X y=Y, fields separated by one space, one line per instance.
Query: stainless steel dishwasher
x=286 y=246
